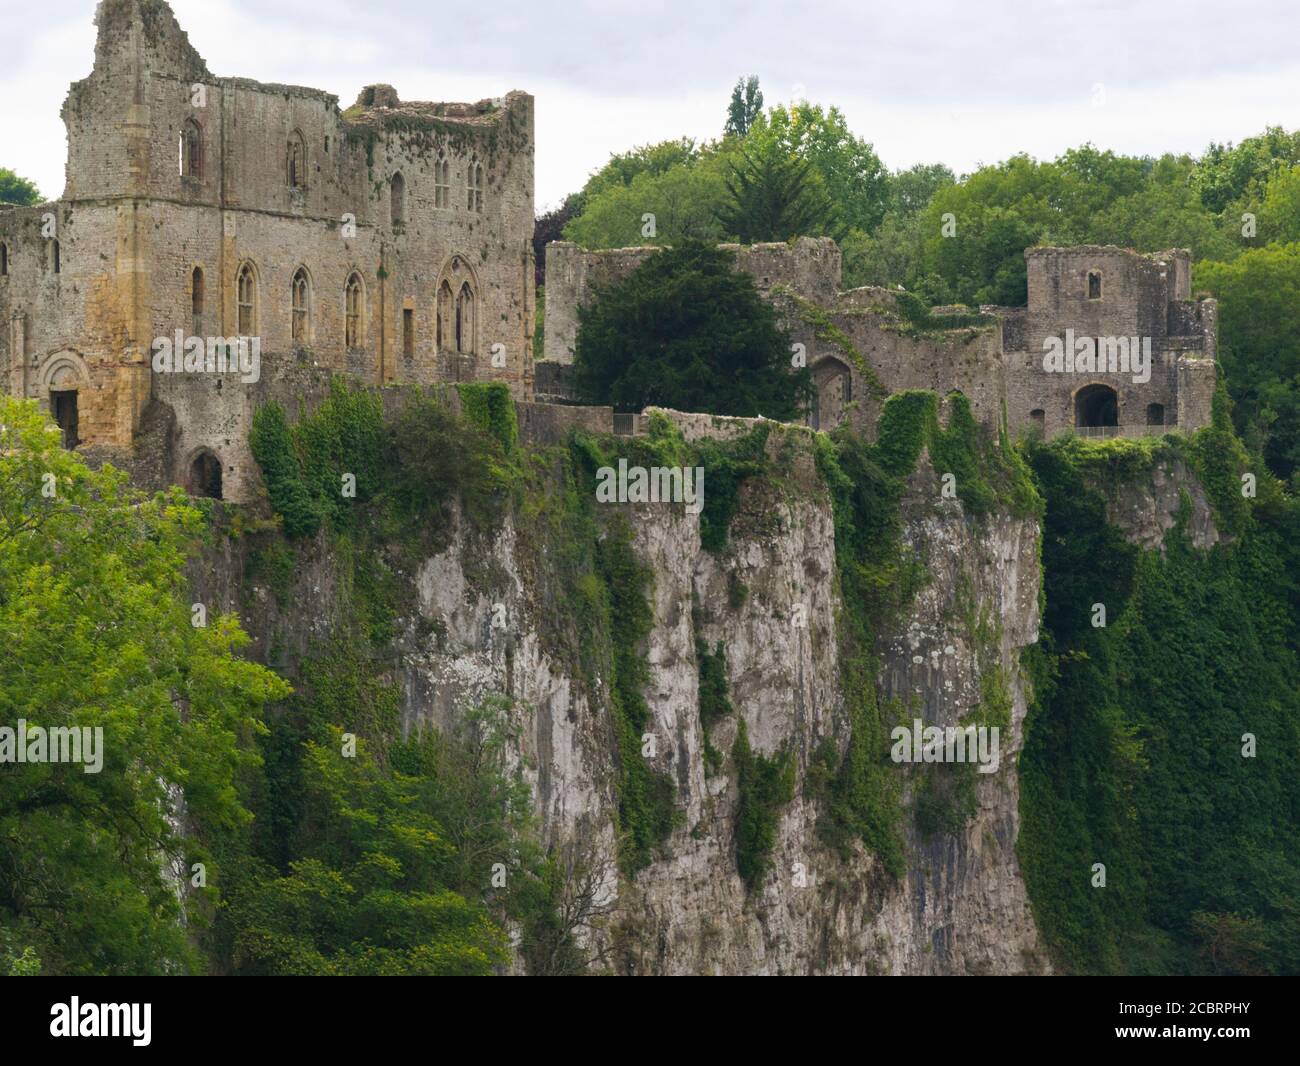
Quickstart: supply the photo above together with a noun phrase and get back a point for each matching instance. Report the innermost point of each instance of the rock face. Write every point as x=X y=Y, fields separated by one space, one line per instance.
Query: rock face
x=771 y=598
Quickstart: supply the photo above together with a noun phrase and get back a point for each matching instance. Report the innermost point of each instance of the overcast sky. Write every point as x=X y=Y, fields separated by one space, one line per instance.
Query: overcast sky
x=963 y=83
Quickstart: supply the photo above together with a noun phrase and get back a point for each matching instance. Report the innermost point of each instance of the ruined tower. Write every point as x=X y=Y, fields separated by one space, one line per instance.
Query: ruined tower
x=390 y=241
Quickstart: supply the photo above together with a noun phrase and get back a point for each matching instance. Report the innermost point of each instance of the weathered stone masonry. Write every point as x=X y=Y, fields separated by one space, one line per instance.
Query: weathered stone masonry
x=861 y=348
x=391 y=241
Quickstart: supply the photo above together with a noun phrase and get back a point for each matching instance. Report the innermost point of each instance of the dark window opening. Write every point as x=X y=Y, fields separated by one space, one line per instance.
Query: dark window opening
x=4 y=260
x=297 y=162
x=196 y=302
x=1094 y=285
x=352 y=326
x=191 y=150
x=63 y=405
x=56 y=264
x=1155 y=414
x=299 y=296
x=205 y=476
x=397 y=200
x=444 y=316
x=465 y=319
x=1096 y=405
x=408 y=333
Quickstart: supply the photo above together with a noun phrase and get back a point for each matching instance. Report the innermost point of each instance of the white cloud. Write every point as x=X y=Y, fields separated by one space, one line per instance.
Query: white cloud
x=931 y=80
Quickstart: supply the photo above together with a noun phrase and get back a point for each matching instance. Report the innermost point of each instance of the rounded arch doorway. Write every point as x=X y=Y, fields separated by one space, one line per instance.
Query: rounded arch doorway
x=1096 y=407
x=204 y=475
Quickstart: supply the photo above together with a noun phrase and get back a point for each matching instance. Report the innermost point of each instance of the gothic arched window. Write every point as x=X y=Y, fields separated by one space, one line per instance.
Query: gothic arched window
x=297 y=161
x=397 y=200
x=196 y=302
x=465 y=319
x=246 y=300
x=353 y=312
x=191 y=150
x=441 y=183
x=474 y=200
x=301 y=306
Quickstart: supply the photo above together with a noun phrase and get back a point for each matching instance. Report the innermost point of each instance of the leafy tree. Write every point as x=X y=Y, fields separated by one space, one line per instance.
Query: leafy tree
x=774 y=196
x=624 y=167
x=1225 y=174
x=96 y=620
x=1259 y=347
x=550 y=227
x=370 y=892
x=910 y=190
x=684 y=200
x=855 y=180
x=687 y=330
x=745 y=107
x=16 y=190
x=1278 y=212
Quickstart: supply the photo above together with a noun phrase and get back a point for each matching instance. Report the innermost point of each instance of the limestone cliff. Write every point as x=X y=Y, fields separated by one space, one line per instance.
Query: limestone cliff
x=483 y=620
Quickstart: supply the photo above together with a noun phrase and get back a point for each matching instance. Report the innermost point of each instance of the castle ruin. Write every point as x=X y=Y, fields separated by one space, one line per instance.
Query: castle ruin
x=391 y=241
x=862 y=344
x=205 y=216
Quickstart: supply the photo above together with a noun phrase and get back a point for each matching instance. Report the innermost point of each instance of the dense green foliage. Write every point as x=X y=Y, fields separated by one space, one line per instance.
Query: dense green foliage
x=1134 y=745
x=773 y=196
x=859 y=793
x=686 y=330
x=645 y=797
x=401 y=856
x=330 y=466
x=100 y=633
x=16 y=190
x=765 y=784
x=1259 y=347
x=745 y=107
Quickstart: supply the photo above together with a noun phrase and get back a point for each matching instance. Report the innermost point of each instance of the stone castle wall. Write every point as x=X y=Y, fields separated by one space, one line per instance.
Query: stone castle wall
x=405 y=197
x=861 y=347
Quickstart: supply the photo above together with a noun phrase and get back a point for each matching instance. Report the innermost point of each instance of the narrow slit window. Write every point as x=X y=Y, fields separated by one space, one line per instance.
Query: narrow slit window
x=196 y=302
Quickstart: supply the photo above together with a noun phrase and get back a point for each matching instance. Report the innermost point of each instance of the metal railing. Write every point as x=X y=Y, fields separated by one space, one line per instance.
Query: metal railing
x=1102 y=432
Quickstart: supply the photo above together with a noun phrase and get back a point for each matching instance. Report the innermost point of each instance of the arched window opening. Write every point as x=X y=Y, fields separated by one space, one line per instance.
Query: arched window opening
x=465 y=319
x=1155 y=414
x=297 y=163
x=196 y=302
x=397 y=200
x=474 y=200
x=246 y=301
x=1094 y=284
x=300 y=297
x=444 y=316
x=832 y=393
x=352 y=300
x=191 y=150
x=1096 y=406
x=4 y=260
x=205 y=476
x=441 y=183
